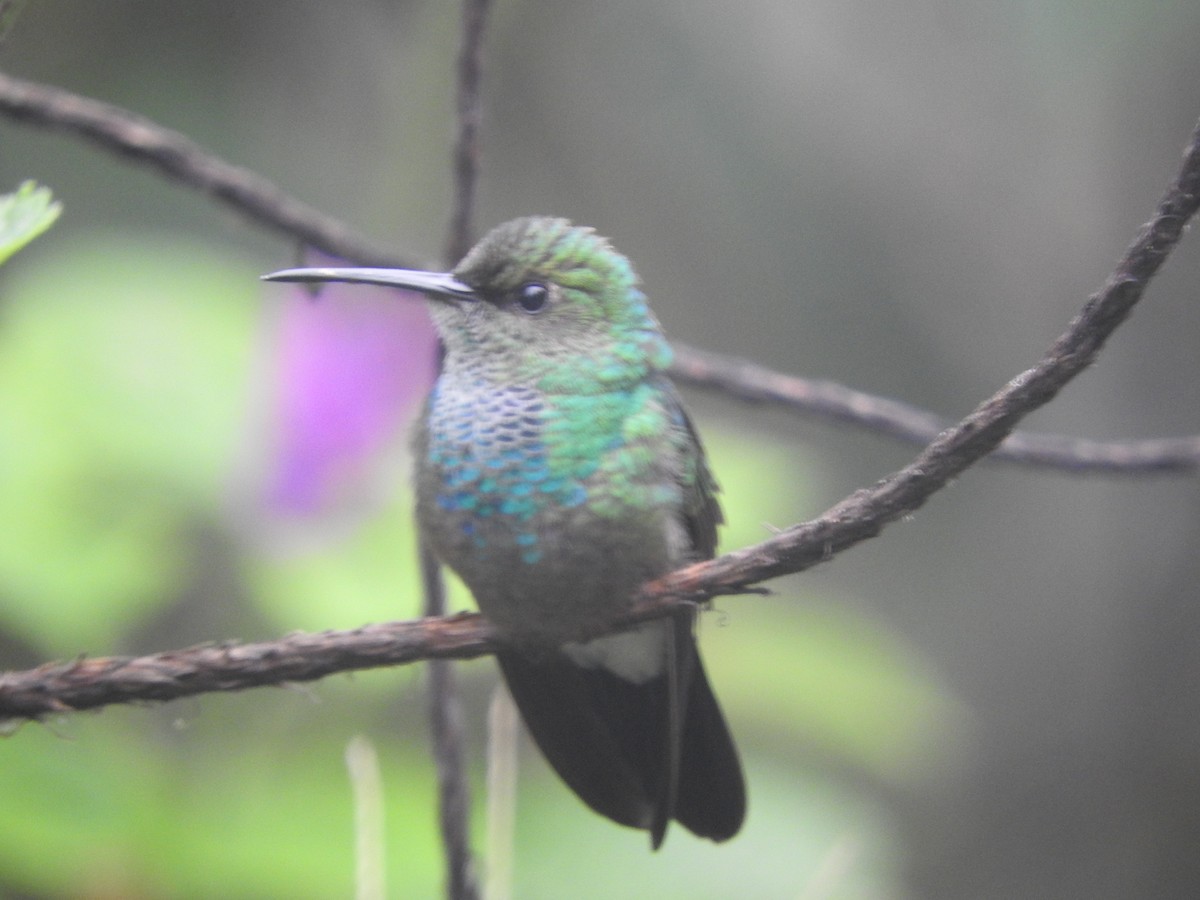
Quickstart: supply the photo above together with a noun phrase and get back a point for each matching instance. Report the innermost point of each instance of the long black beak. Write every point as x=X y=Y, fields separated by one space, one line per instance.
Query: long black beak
x=438 y=284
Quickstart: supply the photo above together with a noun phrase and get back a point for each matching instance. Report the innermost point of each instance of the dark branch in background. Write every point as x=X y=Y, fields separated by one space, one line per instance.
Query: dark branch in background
x=445 y=703
x=88 y=684
x=470 y=116
x=757 y=384
x=130 y=135
x=449 y=745
x=136 y=138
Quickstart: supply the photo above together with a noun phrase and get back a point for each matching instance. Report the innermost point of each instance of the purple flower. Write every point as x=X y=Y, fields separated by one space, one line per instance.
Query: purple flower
x=352 y=364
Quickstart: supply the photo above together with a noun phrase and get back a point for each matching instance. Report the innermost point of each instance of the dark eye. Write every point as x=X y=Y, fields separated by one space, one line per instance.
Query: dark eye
x=533 y=296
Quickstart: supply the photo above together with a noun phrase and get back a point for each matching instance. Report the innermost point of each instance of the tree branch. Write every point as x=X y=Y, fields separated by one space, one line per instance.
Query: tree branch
x=83 y=684
x=470 y=117
x=92 y=683
x=134 y=137
x=753 y=383
x=445 y=705
x=446 y=735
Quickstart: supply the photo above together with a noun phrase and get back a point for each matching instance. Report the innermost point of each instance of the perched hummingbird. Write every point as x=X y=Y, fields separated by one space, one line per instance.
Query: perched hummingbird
x=556 y=471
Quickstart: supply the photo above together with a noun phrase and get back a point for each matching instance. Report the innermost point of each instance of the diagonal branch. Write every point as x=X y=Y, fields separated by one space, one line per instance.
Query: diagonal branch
x=180 y=159
x=134 y=137
x=91 y=683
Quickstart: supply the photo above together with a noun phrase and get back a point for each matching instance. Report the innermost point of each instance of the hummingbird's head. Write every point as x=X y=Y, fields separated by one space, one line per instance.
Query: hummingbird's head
x=537 y=301
x=555 y=302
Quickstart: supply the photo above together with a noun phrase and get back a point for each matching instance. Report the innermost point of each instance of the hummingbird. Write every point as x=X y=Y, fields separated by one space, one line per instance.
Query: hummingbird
x=556 y=470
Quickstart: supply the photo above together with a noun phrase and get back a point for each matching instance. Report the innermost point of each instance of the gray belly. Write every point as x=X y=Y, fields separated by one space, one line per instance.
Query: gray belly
x=584 y=570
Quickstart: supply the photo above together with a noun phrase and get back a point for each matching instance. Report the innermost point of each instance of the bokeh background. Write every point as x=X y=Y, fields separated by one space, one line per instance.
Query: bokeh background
x=997 y=698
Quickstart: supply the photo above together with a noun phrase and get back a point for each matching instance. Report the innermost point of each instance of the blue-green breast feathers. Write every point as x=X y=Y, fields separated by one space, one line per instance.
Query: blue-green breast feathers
x=512 y=453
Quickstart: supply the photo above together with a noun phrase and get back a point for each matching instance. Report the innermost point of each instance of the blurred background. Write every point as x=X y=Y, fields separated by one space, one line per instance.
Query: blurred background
x=997 y=698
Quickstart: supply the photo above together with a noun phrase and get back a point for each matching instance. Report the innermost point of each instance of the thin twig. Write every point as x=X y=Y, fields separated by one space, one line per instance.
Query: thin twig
x=135 y=137
x=470 y=117
x=753 y=383
x=447 y=737
x=445 y=703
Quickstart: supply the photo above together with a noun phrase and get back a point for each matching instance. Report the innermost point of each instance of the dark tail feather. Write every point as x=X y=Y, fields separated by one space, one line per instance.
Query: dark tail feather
x=640 y=754
x=570 y=712
x=711 y=798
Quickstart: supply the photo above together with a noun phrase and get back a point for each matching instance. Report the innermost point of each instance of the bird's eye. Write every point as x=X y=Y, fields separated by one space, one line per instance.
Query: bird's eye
x=533 y=296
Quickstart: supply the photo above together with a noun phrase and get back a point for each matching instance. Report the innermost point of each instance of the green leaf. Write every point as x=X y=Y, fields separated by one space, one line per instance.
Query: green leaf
x=24 y=215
